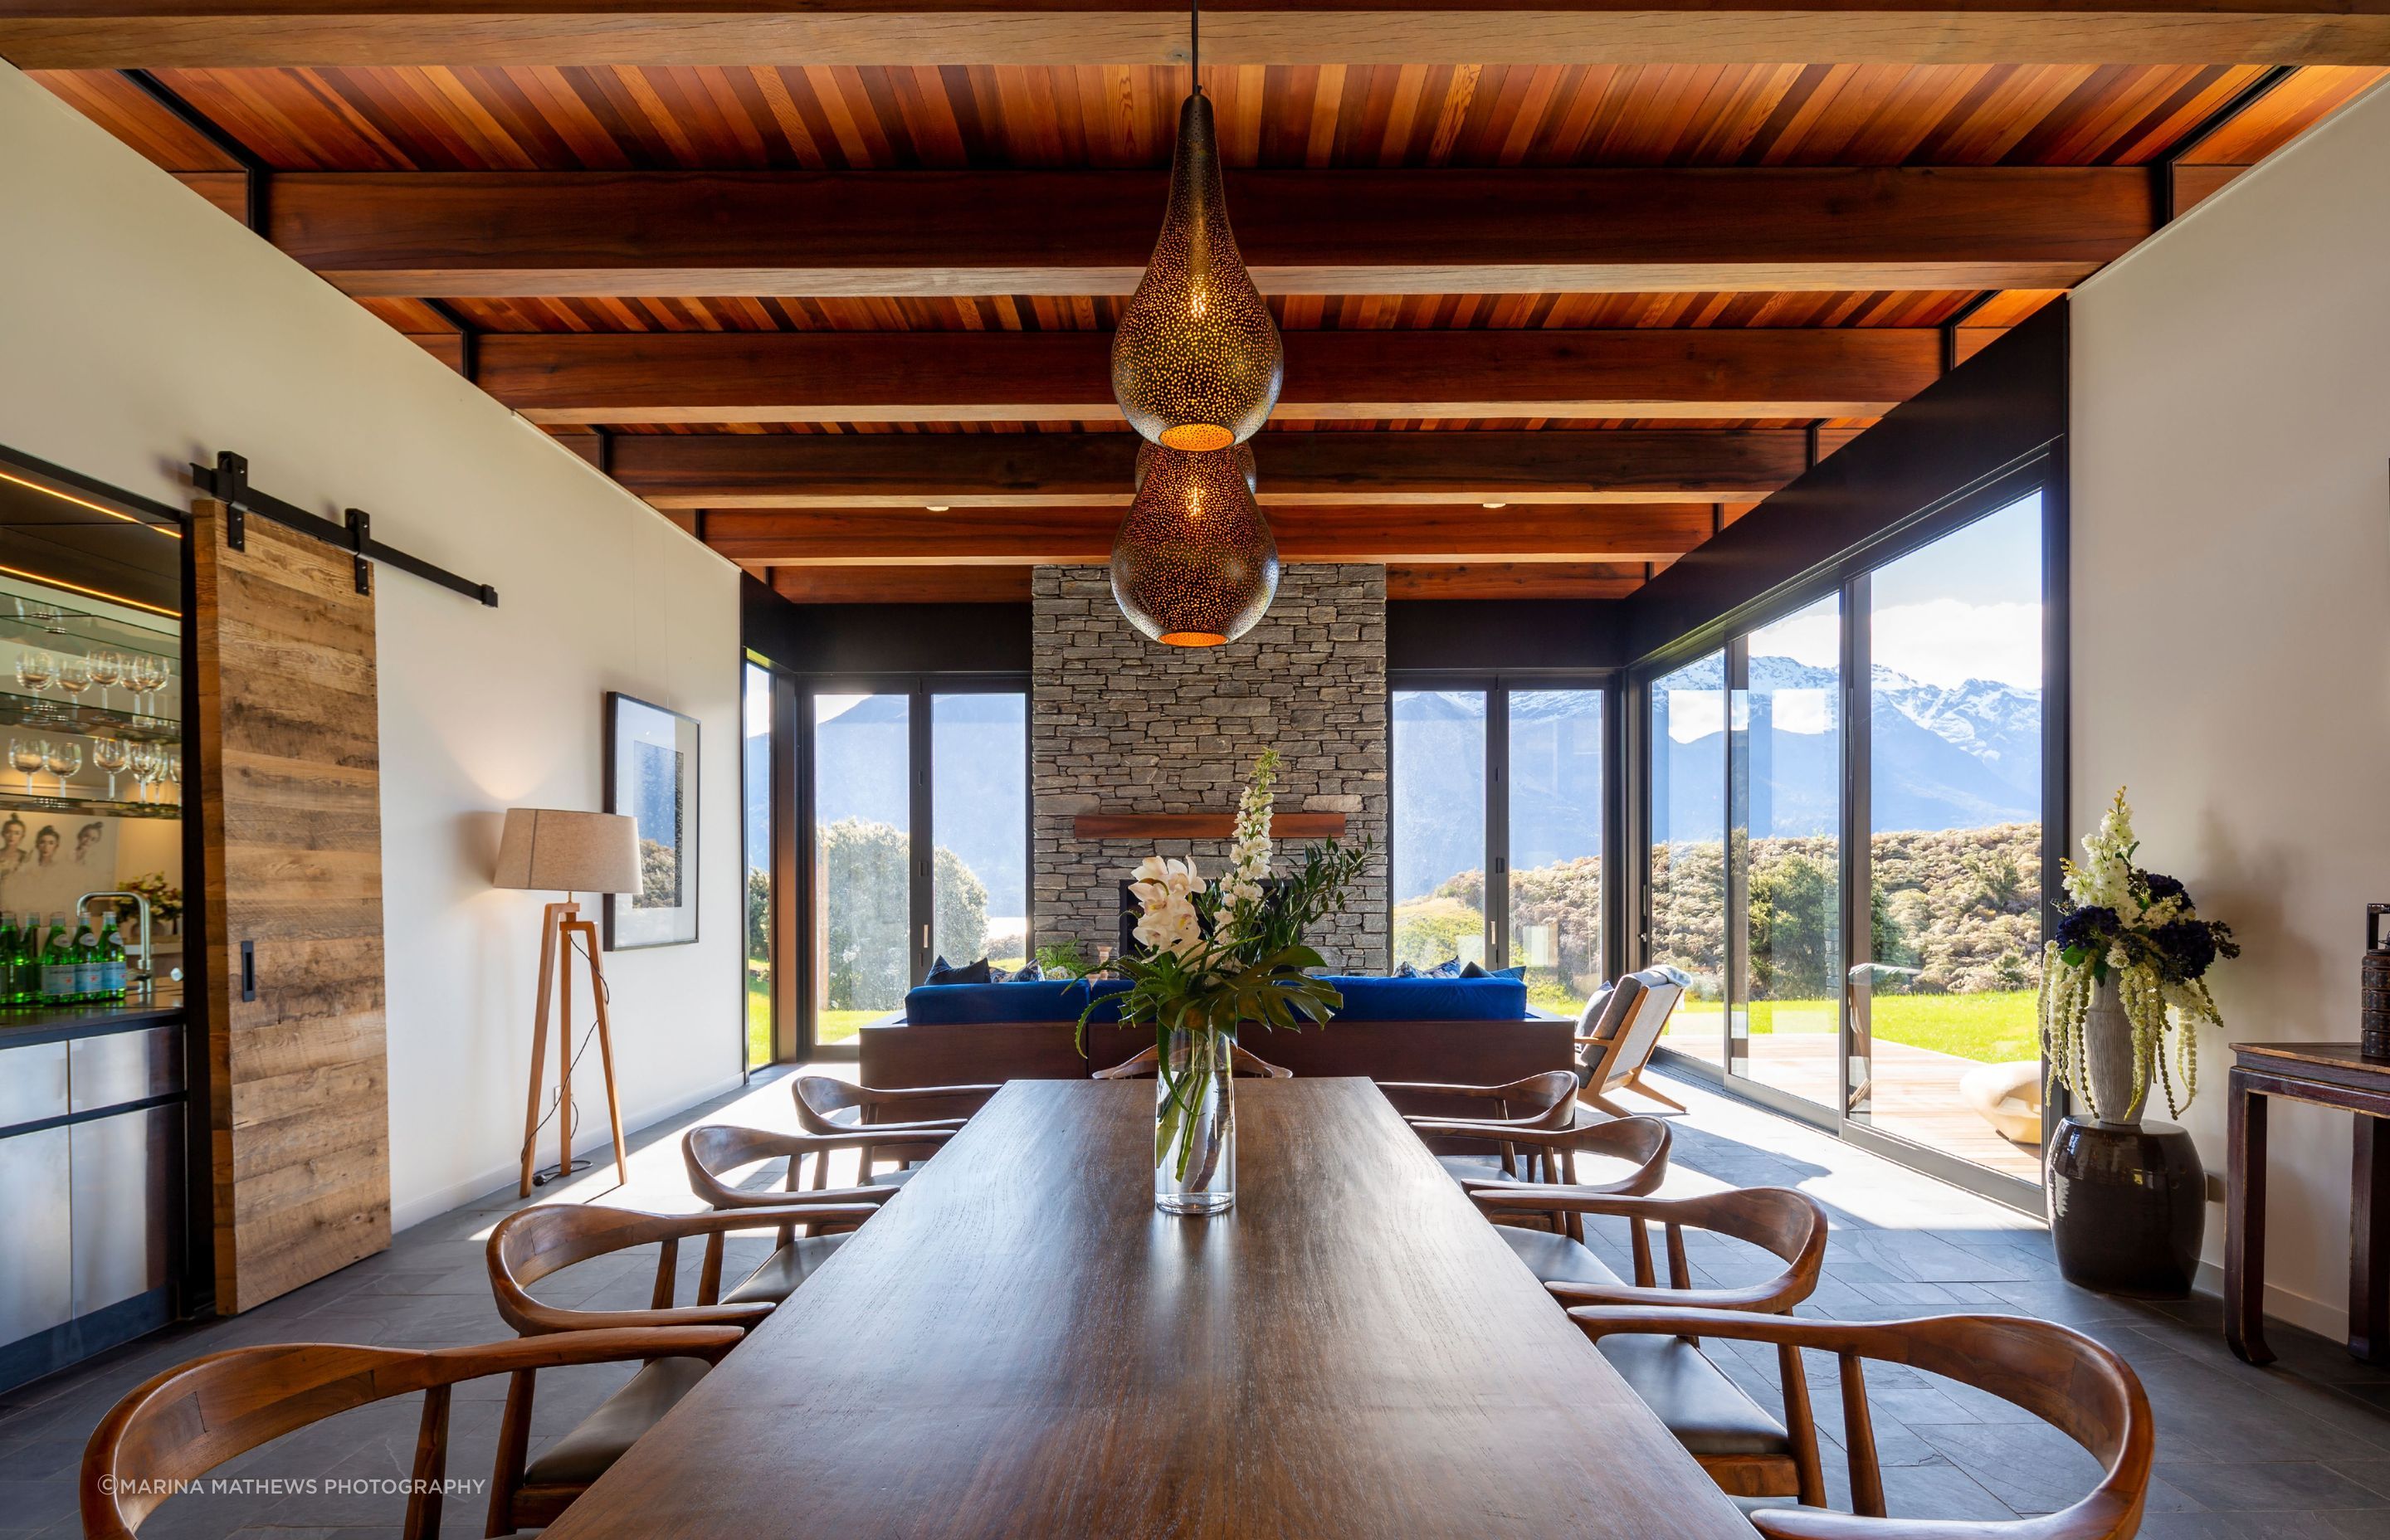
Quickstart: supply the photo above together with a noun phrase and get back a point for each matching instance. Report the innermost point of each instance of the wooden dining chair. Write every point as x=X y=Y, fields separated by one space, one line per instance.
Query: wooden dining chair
x=1545 y=1101
x=1744 y=1446
x=714 y=1154
x=1640 y=1144
x=828 y=1106
x=1613 y=1049
x=1244 y=1062
x=177 y=1426
x=2059 y=1376
x=535 y=1243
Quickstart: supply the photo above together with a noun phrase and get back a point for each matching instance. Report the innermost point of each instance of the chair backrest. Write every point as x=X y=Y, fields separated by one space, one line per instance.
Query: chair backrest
x=1145 y=1064
x=531 y=1244
x=712 y=1151
x=828 y=1106
x=2059 y=1375
x=181 y=1424
x=1647 y=1018
x=1640 y=1142
x=1549 y=1098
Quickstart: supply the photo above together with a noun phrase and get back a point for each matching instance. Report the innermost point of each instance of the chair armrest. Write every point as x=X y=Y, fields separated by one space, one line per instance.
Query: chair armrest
x=1434 y=1087
x=613 y=1345
x=1493 y=1128
x=724 y=1198
x=926 y=1093
x=535 y=1320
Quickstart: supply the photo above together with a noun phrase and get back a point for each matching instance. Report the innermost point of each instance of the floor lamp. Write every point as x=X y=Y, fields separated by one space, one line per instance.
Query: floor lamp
x=551 y=849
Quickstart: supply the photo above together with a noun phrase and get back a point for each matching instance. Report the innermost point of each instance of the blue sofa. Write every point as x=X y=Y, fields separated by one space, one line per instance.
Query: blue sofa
x=1367 y=997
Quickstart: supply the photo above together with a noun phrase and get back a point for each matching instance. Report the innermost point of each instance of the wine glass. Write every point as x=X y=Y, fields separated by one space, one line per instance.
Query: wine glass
x=107 y=670
x=36 y=670
x=111 y=755
x=65 y=761
x=27 y=755
x=175 y=774
x=154 y=675
x=74 y=676
x=145 y=767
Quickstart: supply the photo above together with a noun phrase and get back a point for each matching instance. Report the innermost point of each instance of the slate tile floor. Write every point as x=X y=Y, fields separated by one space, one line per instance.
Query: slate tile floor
x=2296 y=1451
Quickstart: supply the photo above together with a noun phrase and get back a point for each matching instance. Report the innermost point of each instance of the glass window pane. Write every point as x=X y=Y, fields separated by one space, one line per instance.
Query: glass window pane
x=979 y=814
x=755 y=751
x=1955 y=811
x=1439 y=829
x=1687 y=858
x=1556 y=813
x=1793 y=872
x=863 y=852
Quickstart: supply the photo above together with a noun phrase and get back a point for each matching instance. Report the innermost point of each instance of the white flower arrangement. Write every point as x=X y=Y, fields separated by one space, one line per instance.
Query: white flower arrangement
x=1166 y=891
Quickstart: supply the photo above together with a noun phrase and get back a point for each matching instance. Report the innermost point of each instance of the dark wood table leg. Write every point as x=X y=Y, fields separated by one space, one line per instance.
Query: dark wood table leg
x=2368 y=1245
x=2244 y=1227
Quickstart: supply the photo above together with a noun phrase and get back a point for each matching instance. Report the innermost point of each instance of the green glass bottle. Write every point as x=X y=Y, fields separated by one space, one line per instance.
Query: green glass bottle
x=8 y=975
x=57 y=965
x=87 y=961
x=111 y=965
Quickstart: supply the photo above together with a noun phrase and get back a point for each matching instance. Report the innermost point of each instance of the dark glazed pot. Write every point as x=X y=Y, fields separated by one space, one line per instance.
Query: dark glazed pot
x=2128 y=1207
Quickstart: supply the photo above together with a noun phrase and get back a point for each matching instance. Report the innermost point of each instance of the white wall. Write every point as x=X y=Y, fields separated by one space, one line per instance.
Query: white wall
x=2231 y=453
x=140 y=329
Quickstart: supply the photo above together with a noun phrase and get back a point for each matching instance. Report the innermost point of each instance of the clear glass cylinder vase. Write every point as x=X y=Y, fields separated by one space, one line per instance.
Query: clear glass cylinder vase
x=1194 y=1124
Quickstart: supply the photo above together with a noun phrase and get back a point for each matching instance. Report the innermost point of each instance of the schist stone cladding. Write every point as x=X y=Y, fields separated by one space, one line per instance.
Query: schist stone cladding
x=1121 y=724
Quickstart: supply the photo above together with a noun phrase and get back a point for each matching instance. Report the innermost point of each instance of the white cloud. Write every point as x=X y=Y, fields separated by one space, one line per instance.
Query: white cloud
x=1950 y=641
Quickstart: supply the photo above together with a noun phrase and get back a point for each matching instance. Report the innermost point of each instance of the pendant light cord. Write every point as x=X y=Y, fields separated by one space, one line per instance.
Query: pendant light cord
x=1195 y=43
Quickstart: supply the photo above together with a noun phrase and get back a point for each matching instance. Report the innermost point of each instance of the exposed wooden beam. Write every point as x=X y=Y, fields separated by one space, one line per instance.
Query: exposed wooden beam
x=1049 y=376
x=86 y=35
x=2195 y=184
x=1551 y=580
x=901 y=585
x=1016 y=537
x=988 y=470
x=1301 y=232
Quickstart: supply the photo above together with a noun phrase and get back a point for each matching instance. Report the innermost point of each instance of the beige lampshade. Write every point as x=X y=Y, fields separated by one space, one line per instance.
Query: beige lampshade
x=556 y=849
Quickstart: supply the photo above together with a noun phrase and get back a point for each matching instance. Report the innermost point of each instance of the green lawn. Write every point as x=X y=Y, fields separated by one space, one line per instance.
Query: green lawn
x=839 y=1026
x=759 y=1019
x=1991 y=1028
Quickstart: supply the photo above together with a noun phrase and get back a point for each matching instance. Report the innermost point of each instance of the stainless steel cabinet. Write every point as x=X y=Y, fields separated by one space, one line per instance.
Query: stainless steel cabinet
x=125 y=1181
x=37 y=1282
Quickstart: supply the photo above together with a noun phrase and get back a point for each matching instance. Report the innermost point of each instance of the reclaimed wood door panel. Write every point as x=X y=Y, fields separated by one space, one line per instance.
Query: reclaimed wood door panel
x=288 y=740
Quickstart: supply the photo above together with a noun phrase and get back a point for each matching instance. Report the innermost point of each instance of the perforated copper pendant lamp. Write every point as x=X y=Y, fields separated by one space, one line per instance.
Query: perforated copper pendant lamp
x=1146 y=452
x=1196 y=360
x=1194 y=563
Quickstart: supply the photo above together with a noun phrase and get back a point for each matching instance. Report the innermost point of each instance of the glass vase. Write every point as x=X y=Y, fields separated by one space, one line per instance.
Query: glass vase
x=1194 y=1124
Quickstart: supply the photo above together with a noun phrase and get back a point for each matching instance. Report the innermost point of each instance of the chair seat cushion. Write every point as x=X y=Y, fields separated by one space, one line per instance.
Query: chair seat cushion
x=1708 y=1412
x=785 y=1269
x=587 y=1452
x=1555 y=1258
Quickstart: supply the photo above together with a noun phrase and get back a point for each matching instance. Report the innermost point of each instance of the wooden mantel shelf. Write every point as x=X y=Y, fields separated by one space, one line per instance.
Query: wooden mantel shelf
x=1202 y=826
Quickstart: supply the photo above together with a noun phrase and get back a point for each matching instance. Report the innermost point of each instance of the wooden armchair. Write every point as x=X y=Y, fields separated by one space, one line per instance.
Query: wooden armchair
x=828 y=1106
x=177 y=1426
x=1543 y=1102
x=713 y=1152
x=1244 y=1062
x=1641 y=1144
x=2059 y=1376
x=1743 y=1447
x=1614 y=1047
x=531 y=1244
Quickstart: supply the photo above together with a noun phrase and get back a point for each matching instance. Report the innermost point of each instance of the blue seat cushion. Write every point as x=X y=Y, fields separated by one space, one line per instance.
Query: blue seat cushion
x=1373 y=998
x=1030 y=1000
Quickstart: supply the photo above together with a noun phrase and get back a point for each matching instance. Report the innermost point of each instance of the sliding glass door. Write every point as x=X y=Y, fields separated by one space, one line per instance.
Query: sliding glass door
x=1845 y=838
x=756 y=876
x=1498 y=842
x=1946 y=1028
x=916 y=809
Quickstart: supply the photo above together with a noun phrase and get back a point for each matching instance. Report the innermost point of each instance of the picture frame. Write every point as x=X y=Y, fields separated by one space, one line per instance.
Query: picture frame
x=652 y=762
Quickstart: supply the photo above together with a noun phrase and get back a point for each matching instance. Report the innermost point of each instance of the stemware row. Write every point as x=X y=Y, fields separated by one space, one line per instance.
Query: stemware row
x=151 y=765
x=137 y=673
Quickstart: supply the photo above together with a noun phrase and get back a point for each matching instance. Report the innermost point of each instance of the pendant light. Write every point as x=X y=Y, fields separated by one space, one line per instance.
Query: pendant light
x=1194 y=563
x=1196 y=359
x=1146 y=452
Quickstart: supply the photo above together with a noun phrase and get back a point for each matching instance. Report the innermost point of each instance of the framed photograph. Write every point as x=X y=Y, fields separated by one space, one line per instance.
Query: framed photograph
x=651 y=775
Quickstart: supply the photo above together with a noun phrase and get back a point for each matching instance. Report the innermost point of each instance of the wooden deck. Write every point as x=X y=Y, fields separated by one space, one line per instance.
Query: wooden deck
x=1915 y=1095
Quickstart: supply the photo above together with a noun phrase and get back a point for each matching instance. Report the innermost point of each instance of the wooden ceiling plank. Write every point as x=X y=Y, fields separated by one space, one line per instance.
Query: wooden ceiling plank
x=1016 y=537
x=1514 y=580
x=965 y=376
x=251 y=33
x=718 y=470
x=902 y=584
x=1378 y=233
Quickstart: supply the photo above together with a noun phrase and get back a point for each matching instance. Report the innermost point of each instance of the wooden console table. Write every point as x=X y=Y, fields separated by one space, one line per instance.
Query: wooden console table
x=2328 y=1074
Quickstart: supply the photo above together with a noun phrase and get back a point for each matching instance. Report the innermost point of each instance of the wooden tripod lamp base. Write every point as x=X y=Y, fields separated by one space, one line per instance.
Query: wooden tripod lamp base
x=575 y=853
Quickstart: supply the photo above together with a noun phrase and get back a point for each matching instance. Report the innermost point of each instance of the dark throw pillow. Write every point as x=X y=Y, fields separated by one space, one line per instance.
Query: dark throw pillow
x=1031 y=974
x=1448 y=969
x=970 y=973
x=1406 y=971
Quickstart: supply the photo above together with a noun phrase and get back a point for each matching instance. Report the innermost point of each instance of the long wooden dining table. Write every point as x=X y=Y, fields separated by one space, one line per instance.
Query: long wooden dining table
x=1020 y=1345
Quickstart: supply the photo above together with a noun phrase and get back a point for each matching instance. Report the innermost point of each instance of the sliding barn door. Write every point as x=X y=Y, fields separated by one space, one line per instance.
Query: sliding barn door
x=288 y=740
